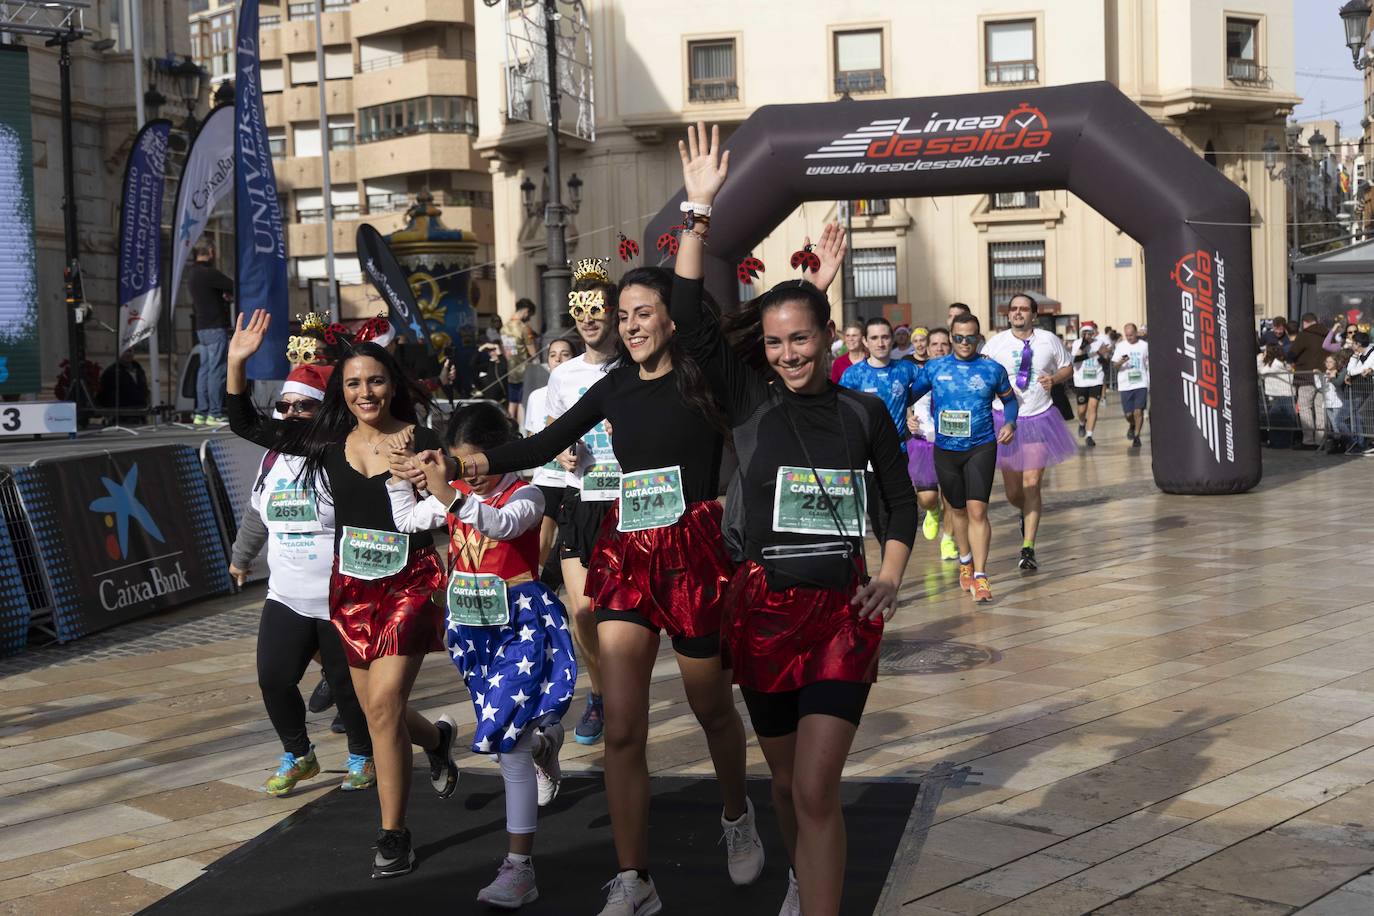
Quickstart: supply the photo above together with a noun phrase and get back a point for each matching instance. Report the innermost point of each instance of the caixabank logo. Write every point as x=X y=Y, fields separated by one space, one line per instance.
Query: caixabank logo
x=918 y=144
x=1200 y=278
x=132 y=580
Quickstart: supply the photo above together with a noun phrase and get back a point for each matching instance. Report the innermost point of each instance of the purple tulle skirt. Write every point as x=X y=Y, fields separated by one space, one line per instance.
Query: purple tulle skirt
x=920 y=463
x=1041 y=441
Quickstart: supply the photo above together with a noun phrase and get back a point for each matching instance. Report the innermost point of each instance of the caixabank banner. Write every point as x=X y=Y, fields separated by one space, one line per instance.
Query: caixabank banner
x=123 y=535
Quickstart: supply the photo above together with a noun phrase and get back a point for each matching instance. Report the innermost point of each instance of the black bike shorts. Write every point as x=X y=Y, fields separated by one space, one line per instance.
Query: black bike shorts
x=966 y=475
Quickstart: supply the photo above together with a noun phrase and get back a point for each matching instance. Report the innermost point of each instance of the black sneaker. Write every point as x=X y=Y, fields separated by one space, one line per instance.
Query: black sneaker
x=321 y=698
x=394 y=855
x=1130 y=431
x=337 y=726
x=1091 y=442
x=1082 y=430
x=1027 y=560
x=1135 y=443
x=443 y=772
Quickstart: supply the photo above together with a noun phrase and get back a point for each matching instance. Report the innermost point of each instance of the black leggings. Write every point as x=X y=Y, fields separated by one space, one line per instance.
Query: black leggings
x=966 y=475
x=774 y=715
x=286 y=643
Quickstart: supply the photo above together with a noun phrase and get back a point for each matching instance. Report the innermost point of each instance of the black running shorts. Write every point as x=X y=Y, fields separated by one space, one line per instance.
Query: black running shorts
x=774 y=715
x=578 y=525
x=553 y=500
x=1087 y=392
x=707 y=646
x=966 y=475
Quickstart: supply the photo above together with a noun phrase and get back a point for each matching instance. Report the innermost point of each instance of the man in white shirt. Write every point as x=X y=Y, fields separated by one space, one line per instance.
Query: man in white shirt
x=1132 y=361
x=1035 y=360
x=1087 y=352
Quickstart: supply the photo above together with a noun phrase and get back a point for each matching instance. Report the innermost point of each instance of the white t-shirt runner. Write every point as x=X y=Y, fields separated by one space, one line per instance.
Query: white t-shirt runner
x=1088 y=372
x=299 y=562
x=536 y=418
x=567 y=383
x=1048 y=356
x=1135 y=373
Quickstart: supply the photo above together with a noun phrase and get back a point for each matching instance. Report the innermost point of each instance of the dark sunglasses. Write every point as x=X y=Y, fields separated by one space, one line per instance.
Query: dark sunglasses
x=306 y=406
x=964 y=338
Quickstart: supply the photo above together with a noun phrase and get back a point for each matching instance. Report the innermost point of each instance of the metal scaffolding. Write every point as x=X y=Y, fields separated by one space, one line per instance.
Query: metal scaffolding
x=46 y=20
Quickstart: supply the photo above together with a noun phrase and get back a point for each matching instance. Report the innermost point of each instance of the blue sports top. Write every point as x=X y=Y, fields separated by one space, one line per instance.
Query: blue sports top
x=891 y=384
x=961 y=399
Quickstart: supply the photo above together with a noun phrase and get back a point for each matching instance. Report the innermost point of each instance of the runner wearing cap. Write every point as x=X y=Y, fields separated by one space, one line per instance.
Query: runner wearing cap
x=902 y=347
x=1089 y=354
x=1035 y=360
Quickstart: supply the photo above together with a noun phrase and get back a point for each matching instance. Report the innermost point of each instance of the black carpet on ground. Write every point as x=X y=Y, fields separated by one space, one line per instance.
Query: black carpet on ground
x=319 y=859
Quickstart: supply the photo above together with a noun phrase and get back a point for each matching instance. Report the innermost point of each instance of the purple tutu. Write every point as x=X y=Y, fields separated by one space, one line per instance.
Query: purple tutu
x=920 y=463
x=1041 y=441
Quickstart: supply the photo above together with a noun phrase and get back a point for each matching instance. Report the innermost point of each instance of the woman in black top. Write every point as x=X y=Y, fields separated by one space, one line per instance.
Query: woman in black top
x=802 y=634
x=659 y=564
x=380 y=592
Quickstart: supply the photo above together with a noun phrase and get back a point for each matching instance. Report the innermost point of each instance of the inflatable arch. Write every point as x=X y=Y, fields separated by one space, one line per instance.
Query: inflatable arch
x=1192 y=222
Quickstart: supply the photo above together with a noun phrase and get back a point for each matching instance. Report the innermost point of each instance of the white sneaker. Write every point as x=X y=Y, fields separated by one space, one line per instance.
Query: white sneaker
x=791 y=904
x=547 y=772
x=629 y=896
x=743 y=848
x=513 y=888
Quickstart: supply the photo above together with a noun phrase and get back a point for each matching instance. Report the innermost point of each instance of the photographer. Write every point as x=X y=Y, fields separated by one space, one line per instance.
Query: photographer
x=489 y=372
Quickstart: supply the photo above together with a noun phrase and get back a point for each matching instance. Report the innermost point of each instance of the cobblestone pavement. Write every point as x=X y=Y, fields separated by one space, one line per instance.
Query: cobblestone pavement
x=1174 y=716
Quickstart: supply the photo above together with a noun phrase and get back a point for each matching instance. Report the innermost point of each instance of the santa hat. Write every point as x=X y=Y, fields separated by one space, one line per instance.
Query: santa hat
x=1089 y=326
x=308 y=380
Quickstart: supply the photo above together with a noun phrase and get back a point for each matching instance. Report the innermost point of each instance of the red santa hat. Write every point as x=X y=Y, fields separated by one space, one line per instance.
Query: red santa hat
x=309 y=380
x=1089 y=326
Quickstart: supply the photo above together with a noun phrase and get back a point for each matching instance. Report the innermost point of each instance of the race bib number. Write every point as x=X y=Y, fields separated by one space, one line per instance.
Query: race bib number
x=957 y=424
x=477 y=600
x=801 y=506
x=1135 y=376
x=1091 y=372
x=365 y=553
x=651 y=499
x=291 y=512
x=601 y=483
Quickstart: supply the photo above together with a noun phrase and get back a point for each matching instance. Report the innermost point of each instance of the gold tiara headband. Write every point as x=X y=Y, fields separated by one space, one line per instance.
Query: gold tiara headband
x=591 y=269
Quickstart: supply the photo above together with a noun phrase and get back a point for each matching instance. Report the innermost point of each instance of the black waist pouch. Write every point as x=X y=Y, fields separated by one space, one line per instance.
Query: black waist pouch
x=826 y=565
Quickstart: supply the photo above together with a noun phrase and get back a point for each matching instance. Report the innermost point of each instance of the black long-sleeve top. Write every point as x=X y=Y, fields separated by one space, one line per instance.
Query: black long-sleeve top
x=359 y=502
x=651 y=427
x=765 y=441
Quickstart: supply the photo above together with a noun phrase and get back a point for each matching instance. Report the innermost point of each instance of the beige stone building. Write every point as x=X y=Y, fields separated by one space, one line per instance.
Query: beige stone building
x=400 y=116
x=1219 y=75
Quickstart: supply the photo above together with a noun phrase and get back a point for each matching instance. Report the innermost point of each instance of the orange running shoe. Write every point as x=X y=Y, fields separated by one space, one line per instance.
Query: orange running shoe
x=966 y=577
x=982 y=590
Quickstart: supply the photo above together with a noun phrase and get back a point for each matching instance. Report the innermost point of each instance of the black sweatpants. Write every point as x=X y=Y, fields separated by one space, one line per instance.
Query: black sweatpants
x=286 y=643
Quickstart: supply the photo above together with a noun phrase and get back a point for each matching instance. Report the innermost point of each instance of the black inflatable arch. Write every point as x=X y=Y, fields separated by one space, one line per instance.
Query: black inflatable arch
x=1089 y=138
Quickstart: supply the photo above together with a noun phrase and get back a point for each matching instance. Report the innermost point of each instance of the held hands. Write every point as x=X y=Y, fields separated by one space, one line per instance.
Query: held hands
x=248 y=338
x=876 y=599
x=913 y=425
x=703 y=167
x=830 y=249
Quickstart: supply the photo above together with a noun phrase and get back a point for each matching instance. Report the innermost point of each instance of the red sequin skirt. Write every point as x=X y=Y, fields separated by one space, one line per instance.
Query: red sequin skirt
x=781 y=641
x=391 y=616
x=675 y=576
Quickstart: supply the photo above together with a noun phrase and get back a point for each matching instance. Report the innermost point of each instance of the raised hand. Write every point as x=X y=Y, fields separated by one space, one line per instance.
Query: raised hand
x=703 y=166
x=830 y=249
x=248 y=338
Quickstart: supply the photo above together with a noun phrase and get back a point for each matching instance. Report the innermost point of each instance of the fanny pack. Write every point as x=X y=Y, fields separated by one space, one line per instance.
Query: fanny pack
x=827 y=565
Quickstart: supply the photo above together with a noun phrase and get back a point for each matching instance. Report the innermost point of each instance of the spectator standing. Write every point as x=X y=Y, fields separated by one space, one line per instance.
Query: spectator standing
x=1277 y=335
x=1359 y=387
x=489 y=373
x=1308 y=357
x=1276 y=381
x=211 y=294
x=1338 y=430
x=521 y=346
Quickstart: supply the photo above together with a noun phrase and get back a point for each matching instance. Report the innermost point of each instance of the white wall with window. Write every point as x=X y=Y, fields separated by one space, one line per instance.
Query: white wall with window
x=276 y=141
x=306 y=138
x=303 y=70
x=271 y=76
x=341 y=131
x=859 y=61
x=1014 y=267
x=338 y=63
x=875 y=273
x=711 y=71
x=376 y=52
x=346 y=270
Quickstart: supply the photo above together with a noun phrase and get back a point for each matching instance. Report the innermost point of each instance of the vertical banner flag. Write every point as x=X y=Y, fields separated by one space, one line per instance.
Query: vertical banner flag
x=140 y=234
x=258 y=231
x=19 y=350
x=385 y=274
x=206 y=180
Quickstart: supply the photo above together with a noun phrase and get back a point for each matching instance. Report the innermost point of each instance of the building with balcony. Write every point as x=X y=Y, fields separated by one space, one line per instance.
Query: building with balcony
x=400 y=118
x=1218 y=75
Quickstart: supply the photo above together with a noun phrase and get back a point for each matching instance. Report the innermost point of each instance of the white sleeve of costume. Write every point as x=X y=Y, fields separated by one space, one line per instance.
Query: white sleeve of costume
x=409 y=515
x=521 y=512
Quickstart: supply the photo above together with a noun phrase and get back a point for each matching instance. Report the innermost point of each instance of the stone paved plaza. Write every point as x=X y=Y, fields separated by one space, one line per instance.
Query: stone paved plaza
x=1175 y=715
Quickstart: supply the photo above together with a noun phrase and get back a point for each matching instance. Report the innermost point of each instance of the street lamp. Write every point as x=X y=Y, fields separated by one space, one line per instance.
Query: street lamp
x=1318 y=144
x=527 y=196
x=1355 y=18
x=535 y=207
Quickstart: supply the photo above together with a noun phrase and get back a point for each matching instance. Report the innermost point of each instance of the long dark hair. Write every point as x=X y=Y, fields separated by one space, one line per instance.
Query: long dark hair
x=743 y=329
x=691 y=382
x=334 y=421
x=482 y=426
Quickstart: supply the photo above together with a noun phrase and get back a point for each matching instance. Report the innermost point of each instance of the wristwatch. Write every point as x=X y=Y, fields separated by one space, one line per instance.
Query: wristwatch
x=695 y=209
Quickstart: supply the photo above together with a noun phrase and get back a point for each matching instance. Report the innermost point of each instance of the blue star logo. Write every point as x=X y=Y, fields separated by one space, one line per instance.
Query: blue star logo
x=124 y=505
x=187 y=225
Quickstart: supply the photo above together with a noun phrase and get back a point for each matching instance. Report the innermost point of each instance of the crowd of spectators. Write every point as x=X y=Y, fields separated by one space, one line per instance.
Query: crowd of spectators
x=1316 y=383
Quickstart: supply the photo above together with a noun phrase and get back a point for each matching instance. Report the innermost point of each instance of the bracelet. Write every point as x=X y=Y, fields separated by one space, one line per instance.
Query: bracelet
x=699 y=236
x=462 y=469
x=696 y=209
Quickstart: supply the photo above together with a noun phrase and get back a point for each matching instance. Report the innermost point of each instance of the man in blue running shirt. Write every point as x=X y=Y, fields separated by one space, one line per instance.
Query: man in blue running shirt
x=962 y=387
x=888 y=380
